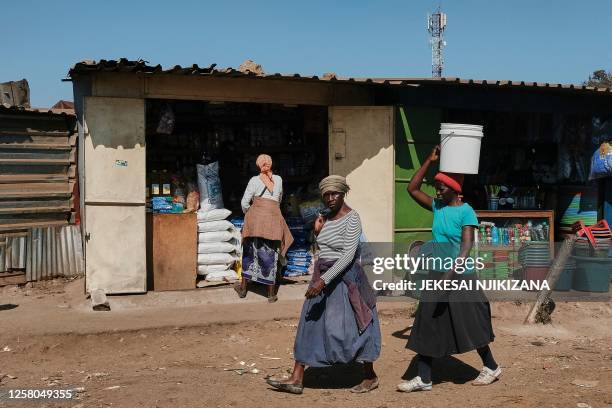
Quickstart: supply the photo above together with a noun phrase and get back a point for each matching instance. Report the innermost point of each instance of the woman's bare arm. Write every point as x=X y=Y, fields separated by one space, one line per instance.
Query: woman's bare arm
x=414 y=187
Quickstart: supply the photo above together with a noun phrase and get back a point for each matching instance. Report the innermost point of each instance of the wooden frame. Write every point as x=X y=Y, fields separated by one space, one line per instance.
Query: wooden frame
x=531 y=214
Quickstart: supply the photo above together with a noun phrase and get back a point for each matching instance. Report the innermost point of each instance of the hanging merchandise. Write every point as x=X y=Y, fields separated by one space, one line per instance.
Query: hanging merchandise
x=210 y=186
x=166 y=120
x=601 y=163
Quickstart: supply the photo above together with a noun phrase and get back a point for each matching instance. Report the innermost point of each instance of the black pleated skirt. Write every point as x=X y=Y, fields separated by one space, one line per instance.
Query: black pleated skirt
x=445 y=324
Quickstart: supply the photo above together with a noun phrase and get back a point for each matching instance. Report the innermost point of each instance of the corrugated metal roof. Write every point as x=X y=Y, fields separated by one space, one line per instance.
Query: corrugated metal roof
x=141 y=66
x=5 y=108
x=497 y=83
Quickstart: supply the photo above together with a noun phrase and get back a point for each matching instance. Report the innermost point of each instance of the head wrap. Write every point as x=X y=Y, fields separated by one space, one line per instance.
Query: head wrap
x=333 y=183
x=263 y=159
x=453 y=180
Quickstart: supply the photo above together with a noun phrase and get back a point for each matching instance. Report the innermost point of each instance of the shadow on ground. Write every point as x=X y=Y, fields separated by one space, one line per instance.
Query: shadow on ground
x=334 y=377
x=445 y=369
x=403 y=334
x=8 y=306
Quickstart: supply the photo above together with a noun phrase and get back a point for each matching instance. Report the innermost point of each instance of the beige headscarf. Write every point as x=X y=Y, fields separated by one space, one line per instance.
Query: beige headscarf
x=333 y=183
x=265 y=177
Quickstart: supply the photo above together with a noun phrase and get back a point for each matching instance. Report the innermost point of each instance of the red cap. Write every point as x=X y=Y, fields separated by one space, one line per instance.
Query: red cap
x=452 y=180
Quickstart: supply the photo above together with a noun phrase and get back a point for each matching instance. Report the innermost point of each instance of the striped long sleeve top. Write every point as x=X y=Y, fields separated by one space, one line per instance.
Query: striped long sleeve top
x=339 y=239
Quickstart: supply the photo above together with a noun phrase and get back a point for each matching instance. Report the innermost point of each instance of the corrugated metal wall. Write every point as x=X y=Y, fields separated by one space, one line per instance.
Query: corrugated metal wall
x=13 y=253
x=43 y=253
x=37 y=189
x=37 y=169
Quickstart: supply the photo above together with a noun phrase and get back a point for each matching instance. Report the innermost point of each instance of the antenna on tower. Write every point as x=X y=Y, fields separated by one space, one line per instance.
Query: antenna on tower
x=436 y=23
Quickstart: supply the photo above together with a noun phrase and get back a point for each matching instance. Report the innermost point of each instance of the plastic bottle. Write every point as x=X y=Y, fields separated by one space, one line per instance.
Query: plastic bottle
x=517 y=235
x=494 y=236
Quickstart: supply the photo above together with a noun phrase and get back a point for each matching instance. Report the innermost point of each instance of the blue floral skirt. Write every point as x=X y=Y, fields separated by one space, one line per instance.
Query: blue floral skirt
x=260 y=260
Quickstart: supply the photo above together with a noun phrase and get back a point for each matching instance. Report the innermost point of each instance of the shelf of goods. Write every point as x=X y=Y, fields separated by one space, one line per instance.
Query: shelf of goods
x=519 y=245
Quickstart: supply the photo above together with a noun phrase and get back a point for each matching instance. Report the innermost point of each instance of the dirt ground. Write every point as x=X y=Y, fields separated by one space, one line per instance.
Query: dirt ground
x=190 y=364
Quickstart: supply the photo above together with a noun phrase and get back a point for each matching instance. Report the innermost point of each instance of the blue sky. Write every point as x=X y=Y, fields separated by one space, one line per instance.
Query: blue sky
x=547 y=41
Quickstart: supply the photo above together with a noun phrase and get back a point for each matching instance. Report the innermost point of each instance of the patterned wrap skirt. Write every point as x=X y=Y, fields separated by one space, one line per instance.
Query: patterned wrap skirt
x=328 y=332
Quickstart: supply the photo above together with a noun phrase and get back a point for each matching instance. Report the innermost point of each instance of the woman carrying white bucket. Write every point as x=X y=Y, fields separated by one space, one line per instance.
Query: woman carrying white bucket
x=453 y=322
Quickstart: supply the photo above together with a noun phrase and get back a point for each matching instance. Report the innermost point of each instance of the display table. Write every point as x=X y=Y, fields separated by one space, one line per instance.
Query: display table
x=172 y=248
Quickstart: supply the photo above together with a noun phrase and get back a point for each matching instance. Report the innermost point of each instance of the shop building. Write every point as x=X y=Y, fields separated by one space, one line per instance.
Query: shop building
x=377 y=132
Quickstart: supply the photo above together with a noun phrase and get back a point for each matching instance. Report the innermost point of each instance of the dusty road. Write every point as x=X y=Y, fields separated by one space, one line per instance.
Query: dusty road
x=187 y=364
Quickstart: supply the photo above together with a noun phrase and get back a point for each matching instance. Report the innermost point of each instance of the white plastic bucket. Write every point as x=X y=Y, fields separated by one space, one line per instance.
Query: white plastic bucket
x=460 y=148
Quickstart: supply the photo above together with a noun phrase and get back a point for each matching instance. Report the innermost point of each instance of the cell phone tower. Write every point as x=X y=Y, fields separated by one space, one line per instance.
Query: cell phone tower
x=436 y=23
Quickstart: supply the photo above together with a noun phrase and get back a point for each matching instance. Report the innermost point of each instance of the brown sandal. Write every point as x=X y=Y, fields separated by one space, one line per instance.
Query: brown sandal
x=283 y=386
x=360 y=389
x=240 y=291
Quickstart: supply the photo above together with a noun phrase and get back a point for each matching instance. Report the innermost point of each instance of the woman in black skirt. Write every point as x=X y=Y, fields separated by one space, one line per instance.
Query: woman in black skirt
x=452 y=322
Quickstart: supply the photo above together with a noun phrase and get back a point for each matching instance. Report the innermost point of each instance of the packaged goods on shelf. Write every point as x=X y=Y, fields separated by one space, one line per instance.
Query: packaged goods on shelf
x=192 y=202
x=238 y=223
x=299 y=256
x=162 y=204
x=582 y=207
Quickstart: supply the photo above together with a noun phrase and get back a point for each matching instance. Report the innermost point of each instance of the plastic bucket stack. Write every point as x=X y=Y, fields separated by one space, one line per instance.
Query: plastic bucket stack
x=565 y=279
x=592 y=274
x=535 y=258
x=460 y=148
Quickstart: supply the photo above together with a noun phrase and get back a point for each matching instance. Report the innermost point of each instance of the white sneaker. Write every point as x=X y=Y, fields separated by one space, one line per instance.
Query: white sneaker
x=416 y=384
x=487 y=376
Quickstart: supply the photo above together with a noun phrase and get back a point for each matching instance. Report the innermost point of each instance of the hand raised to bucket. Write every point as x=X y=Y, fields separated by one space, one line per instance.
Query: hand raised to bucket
x=435 y=154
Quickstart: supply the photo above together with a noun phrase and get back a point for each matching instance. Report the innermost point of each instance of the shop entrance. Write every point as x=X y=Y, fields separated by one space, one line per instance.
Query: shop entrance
x=182 y=134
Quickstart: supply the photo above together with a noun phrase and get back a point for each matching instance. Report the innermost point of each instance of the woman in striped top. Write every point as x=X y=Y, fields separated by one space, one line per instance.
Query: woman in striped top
x=339 y=322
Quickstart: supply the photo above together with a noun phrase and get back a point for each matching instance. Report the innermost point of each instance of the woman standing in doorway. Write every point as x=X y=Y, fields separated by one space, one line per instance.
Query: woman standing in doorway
x=451 y=324
x=339 y=322
x=265 y=234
